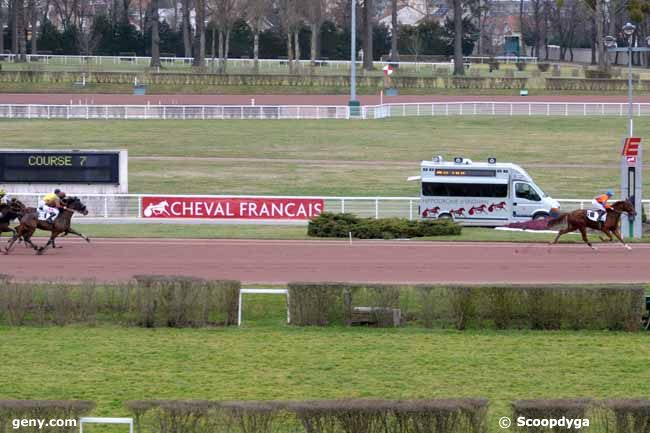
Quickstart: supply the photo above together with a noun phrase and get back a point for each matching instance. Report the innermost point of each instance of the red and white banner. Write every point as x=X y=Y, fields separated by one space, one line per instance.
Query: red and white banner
x=231 y=207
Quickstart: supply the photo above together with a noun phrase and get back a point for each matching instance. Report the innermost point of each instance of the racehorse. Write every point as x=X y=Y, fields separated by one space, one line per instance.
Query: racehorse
x=61 y=225
x=577 y=220
x=9 y=212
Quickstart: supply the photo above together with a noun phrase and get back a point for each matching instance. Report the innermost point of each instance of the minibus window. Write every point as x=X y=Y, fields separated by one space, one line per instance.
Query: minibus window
x=436 y=189
x=527 y=192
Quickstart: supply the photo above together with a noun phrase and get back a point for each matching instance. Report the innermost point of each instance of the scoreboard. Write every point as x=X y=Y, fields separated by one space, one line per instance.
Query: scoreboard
x=60 y=167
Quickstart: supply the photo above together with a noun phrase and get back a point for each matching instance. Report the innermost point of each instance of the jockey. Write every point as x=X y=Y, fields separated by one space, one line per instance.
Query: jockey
x=50 y=205
x=600 y=203
x=3 y=195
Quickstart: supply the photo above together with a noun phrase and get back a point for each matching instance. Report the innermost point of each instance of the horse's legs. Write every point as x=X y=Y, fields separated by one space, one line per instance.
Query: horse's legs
x=563 y=232
x=74 y=232
x=42 y=249
x=583 y=232
x=609 y=235
x=620 y=238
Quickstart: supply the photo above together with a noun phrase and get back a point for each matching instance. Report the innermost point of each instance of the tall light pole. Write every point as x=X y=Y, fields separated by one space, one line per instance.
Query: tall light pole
x=631 y=162
x=353 y=105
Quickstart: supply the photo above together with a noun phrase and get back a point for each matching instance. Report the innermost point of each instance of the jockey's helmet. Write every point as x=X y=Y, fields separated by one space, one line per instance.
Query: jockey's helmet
x=2 y=192
x=609 y=193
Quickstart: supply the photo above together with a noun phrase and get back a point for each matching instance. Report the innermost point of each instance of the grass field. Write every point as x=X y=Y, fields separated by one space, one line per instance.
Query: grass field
x=339 y=157
x=267 y=360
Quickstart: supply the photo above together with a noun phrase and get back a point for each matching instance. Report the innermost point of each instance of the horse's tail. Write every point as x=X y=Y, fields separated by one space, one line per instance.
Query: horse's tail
x=557 y=220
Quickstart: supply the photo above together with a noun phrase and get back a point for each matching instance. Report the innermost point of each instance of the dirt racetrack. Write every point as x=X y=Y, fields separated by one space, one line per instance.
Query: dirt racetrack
x=276 y=262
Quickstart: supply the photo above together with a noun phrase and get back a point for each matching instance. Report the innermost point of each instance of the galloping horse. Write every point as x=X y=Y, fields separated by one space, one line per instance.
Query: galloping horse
x=577 y=220
x=30 y=222
x=9 y=212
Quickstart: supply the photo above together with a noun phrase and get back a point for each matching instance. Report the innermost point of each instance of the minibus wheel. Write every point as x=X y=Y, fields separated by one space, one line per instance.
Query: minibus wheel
x=540 y=215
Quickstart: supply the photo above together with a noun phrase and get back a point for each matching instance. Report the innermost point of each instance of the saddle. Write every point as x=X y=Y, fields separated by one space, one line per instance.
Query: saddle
x=593 y=215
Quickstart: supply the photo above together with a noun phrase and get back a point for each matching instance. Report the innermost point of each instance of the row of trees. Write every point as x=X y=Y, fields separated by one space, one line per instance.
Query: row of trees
x=304 y=28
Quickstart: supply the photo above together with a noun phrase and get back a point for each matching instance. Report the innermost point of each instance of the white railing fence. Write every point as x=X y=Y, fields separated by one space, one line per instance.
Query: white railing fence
x=216 y=112
x=144 y=61
x=128 y=207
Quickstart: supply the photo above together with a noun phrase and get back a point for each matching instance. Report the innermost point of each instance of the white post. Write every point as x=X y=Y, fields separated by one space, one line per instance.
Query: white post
x=239 y=309
x=376 y=208
x=342 y=205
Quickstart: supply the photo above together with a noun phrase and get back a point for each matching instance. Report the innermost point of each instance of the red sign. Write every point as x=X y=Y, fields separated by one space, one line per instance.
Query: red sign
x=631 y=146
x=231 y=207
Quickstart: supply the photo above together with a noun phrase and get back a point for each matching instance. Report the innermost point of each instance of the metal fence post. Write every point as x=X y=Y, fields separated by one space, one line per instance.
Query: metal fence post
x=342 y=205
x=410 y=209
x=376 y=208
x=105 y=206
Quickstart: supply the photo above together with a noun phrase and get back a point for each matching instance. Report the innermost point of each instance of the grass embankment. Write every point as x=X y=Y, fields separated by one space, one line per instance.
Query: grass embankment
x=266 y=360
x=338 y=157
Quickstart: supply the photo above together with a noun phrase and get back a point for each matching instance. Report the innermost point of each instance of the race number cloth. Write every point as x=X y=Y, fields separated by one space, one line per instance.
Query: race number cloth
x=281 y=208
x=46 y=211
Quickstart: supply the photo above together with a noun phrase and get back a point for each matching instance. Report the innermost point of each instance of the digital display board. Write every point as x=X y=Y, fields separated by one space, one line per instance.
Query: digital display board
x=59 y=167
x=464 y=172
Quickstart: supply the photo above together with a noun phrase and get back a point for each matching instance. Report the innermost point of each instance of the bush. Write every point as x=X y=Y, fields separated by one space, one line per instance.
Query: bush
x=627 y=416
x=320 y=416
x=550 y=409
x=597 y=74
x=494 y=65
x=314 y=304
x=543 y=67
x=149 y=301
x=340 y=225
x=521 y=66
x=45 y=410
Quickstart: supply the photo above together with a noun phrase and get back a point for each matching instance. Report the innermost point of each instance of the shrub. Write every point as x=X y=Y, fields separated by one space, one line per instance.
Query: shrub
x=627 y=416
x=550 y=409
x=313 y=304
x=597 y=74
x=341 y=225
x=43 y=409
x=149 y=301
x=494 y=65
x=332 y=225
x=521 y=66
x=543 y=67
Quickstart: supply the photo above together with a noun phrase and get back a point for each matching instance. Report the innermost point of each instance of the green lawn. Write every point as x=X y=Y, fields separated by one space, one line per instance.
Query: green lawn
x=266 y=360
x=331 y=157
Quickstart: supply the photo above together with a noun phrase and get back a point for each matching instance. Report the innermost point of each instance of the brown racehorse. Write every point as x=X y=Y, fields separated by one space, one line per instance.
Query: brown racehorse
x=61 y=225
x=577 y=220
x=9 y=212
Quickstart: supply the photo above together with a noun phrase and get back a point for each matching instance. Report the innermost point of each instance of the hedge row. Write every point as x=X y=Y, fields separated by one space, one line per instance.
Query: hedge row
x=342 y=416
x=324 y=416
x=595 y=84
x=302 y=80
x=147 y=301
x=11 y=410
x=332 y=225
x=612 y=307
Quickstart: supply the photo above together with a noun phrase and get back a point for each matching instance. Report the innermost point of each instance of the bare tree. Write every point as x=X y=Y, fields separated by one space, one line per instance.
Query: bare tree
x=19 y=30
x=2 y=26
x=290 y=22
x=155 y=35
x=256 y=11
x=199 y=35
x=394 y=33
x=315 y=13
x=33 y=14
x=187 y=31
x=224 y=13
x=368 y=21
x=65 y=9
x=459 y=68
